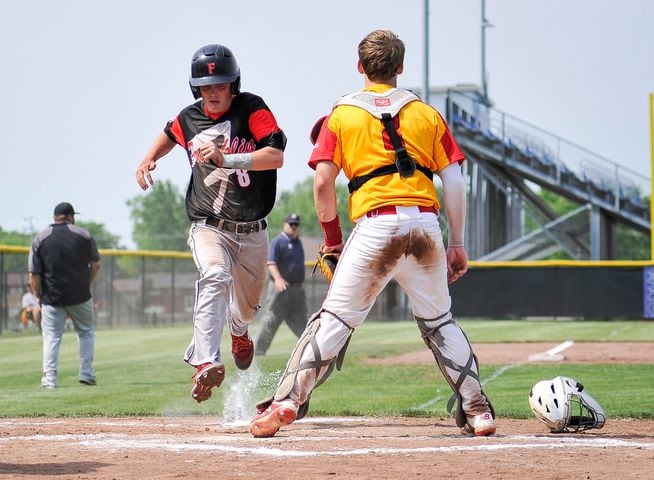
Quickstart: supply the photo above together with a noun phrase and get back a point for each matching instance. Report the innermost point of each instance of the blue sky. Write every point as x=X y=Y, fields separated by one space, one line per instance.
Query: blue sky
x=87 y=85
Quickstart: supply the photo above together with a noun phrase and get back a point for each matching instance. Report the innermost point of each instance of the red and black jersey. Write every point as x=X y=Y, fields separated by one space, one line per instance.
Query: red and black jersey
x=237 y=195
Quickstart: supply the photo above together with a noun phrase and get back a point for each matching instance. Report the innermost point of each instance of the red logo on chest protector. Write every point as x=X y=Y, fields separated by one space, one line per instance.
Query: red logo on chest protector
x=382 y=102
x=211 y=67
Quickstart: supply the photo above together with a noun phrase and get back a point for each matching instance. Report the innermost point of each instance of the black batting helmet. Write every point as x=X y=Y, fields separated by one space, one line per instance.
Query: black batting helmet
x=214 y=64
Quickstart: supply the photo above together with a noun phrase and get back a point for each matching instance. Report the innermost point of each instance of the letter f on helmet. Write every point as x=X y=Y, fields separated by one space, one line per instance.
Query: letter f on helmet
x=213 y=65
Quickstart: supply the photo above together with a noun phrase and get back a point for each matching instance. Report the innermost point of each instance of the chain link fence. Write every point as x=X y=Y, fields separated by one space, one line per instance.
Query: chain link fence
x=145 y=288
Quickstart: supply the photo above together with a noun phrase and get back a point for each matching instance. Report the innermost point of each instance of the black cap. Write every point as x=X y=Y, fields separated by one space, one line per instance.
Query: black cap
x=293 y=218
x=64 y=208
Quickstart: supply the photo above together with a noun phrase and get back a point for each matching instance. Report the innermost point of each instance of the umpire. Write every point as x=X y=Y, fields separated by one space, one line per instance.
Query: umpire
x=63 y=262
x=286 y=297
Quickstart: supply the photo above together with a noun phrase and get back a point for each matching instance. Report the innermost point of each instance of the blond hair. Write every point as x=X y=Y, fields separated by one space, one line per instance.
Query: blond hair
x=381 y=54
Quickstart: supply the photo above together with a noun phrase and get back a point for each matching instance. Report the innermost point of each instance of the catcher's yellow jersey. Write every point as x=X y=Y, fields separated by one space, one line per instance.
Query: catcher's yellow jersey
x=357 y=142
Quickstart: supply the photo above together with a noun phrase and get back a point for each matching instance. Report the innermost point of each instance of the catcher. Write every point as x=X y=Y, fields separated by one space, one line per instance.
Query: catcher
x=389 y=144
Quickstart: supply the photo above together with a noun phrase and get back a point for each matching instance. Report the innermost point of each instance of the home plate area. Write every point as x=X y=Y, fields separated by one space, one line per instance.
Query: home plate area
x=353 y=447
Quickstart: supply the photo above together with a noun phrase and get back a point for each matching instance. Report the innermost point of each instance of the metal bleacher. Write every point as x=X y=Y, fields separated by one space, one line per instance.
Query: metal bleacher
x=510 y=159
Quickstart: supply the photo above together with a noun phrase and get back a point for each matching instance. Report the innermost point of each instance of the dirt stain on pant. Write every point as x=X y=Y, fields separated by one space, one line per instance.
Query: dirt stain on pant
x=416 y=242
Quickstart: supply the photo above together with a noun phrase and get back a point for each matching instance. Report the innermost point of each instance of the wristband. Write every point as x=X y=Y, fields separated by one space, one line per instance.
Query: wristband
x=455 y=244
x=242 y=161
x=332 y=232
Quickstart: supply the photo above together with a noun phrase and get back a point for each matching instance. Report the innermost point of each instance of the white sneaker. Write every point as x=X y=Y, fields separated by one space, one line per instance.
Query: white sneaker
x=481 y=425
x=48 y=382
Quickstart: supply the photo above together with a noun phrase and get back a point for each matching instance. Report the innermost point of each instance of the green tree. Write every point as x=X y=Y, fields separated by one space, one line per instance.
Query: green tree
x=558 y=203
x=300 y=200
x=103 y=237
x=629 y=243
x=632 y=245
x=160 y=221
x=15 y=238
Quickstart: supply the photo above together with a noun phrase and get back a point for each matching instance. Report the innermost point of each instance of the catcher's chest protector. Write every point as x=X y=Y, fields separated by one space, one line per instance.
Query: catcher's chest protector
x=377 y=104
x=385 y=106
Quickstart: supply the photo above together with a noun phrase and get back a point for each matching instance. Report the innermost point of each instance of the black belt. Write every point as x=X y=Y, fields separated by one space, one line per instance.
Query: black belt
x=237 y=227
x=294 y=284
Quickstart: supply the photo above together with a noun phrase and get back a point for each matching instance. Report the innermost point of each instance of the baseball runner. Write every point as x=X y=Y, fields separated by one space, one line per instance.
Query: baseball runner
x=388 y=143
x=234 y=147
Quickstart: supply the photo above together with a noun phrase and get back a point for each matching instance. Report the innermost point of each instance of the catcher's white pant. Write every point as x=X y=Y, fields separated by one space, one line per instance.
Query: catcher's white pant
x=407 y=246
x=232 y=271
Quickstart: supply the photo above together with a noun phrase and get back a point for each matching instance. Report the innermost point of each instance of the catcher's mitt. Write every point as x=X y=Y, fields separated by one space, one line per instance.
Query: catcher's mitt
x=326 y=263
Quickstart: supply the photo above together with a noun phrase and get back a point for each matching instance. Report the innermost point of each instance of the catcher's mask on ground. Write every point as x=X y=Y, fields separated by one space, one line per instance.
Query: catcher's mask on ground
x=564 y=406
x=212 y=65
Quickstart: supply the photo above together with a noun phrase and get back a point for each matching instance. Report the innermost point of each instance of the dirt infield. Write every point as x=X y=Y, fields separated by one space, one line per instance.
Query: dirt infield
x=346 y=448
x=514 y=353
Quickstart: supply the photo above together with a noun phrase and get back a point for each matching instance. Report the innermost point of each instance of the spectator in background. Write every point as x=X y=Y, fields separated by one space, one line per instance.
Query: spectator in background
x=63 y=262
x=286 y=297
x=30 y=308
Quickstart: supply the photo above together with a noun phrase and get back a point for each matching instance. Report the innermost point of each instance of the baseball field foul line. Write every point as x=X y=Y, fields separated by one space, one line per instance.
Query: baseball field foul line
x=553 y=354
x=120 y=443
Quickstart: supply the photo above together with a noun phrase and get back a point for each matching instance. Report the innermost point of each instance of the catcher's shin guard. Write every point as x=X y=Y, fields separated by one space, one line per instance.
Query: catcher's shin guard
x=458 y=364
x=318 y=367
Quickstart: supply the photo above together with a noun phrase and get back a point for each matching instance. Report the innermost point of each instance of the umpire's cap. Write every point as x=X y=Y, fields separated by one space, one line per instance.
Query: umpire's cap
x=64 y=208
x=293 y=218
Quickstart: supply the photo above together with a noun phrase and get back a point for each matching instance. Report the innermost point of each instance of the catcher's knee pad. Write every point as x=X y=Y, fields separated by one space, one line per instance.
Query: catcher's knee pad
x=456 y=360
x=311 y=359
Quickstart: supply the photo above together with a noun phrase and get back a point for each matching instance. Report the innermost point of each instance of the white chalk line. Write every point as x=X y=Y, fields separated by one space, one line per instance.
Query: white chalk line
x=495 y=375
x=121 y=442
x=615 y=332
x=20 y=423
x=550 y=354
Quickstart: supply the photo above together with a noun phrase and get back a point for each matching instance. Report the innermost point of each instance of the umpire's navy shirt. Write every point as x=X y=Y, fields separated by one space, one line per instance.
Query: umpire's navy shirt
x=287 y=253
x=61 y=255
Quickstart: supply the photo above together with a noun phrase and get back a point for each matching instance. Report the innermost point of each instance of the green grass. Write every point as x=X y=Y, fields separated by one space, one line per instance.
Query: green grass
x=141 y=372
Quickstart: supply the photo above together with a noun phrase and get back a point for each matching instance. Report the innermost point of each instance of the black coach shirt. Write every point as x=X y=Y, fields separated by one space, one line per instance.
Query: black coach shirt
x=61 y=254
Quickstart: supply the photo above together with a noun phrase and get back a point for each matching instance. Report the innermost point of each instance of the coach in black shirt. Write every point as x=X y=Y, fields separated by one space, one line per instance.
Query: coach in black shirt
x=63 y=262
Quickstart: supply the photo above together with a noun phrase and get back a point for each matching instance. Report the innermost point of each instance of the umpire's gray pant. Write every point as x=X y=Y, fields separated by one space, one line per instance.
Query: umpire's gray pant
x=290 y=306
